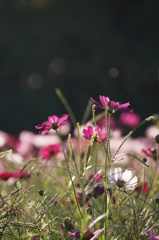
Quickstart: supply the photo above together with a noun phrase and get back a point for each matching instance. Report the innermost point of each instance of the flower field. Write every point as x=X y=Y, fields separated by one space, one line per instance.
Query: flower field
x=97 y=179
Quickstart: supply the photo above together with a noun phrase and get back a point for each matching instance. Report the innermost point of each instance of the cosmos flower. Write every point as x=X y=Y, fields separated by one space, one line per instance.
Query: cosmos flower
x=98 y=191
x=130 y=119
x=112 y=106
x=142 y=188
x=90 y=132
x=18 y=174
x=152 y=153
x=54 y=122
x=122 y=179
x=98 y=176
x=88 y=234
x=151 y=234
x=36 y=238
x=50 y=151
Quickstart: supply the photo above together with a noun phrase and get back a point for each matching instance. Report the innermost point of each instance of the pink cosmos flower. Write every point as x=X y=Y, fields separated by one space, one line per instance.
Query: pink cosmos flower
x=49 y=151
x=152 y=153
x=98 y=177
x=151 y=234
x=113 y=124
x=130 y=119
x=112 y=106
x=90 y=131
x=7 y=175
x=88 y=234
x=142 y=188
x=54 y=122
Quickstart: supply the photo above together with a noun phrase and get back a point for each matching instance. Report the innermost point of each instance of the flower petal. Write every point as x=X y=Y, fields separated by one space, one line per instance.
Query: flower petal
x=132 y=183
x=63 y=118
x=127 y=175
x=104 y=100
x=44 y=131
x=117 y=173
x=53 y=119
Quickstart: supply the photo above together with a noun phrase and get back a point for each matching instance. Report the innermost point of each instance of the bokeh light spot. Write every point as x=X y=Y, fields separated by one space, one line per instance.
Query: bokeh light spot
x=113 y=72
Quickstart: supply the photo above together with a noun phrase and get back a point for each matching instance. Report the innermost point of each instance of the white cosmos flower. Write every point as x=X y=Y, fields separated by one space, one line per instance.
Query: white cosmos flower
x=122 y=179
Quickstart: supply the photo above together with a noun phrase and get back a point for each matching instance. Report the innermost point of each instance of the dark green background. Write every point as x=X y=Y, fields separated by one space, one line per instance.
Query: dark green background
x=72 y=45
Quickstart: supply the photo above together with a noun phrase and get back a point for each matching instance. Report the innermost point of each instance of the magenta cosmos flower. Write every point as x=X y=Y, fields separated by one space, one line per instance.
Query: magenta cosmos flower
x=90 y=132
x=50 y=151
x=130 y=119
x=18 y=174
x=112 y=106
x=88 y=234
x=54 y=122
x=151 y=234
x=152 y=153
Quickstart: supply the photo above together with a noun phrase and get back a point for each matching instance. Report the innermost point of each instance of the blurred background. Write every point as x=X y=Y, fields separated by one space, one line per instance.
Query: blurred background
x=85 y=48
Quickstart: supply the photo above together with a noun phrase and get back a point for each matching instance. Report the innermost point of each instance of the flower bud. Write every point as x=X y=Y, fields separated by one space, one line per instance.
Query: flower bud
x=41 y=192
x=157 y=200
x=157 y=138
x=144 y=159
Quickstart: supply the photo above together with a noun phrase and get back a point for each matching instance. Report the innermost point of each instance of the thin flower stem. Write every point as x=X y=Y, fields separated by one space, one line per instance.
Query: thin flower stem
x=85 y=161
x=72 y=153
x=105 y=164
x=79 y=144
x=69 y=174
x=118 y=207
x=131 y=132
x=73 y=157
x=105 y=206
x=95 y=167
x=141 y=189
x=66 y=105
x=154 y=173
x=108 y=139
x=95 y=123
x=131 y=155
x=87 y=112
x=105 y=175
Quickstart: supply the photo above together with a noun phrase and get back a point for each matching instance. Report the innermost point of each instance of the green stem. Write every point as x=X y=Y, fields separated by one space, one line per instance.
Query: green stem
x=69 y=174
x=131 y=132
x=79 y=144
x=66 y=105
x=118 y=207
x=95 y=123
x=108 y=139
x=95 y=167
x=106 y=157
x=73 y=158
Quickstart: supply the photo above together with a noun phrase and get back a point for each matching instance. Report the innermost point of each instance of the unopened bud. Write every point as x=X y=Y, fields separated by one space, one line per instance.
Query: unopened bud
x=41 y=192
x=144 y=160
x=157 y=138
x=157 y=200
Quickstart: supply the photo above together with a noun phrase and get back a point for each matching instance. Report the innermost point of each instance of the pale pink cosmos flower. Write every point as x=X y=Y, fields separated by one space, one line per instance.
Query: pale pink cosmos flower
x=122 y=179
x=66 y=130
x=54 y=122
x=152 y=131
x=3 y=138
x=90 y=132
x=45 y=140
x=112 y=106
